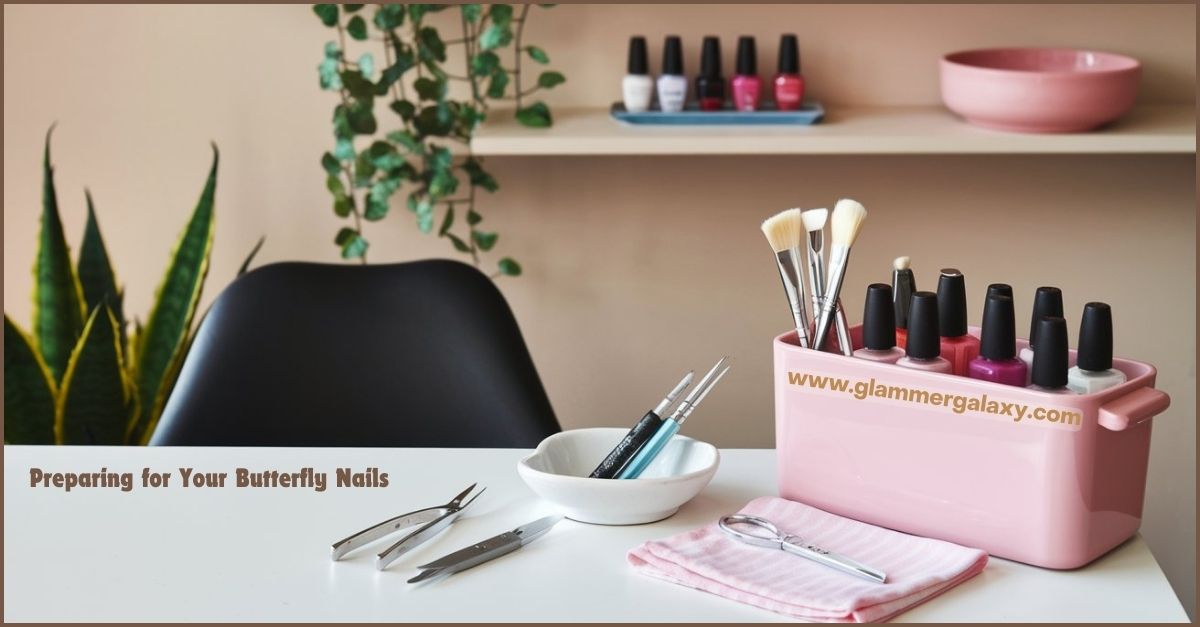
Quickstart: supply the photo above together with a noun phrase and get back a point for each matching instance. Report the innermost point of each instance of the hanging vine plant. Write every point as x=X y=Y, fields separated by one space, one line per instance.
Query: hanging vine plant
x=373 y=162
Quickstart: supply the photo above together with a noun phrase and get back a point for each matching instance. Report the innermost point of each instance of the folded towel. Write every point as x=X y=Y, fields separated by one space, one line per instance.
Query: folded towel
x=708 y=559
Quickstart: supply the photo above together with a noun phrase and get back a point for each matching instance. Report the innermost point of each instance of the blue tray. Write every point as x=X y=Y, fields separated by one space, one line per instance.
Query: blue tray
x=808 y=113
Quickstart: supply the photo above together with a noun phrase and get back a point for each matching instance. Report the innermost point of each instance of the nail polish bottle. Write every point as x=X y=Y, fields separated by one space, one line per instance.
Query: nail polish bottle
x=997 y=361
x=788 y=84
x=1004 y=289
x=710 y=85
x=1093 y=369
x=1047 y=301
x=879 y=326
x=1050 y=356
x=672 y=84
x=923 y=351
x=903 y=286
x=957 y=346
x=637 y=88
x=747 y=88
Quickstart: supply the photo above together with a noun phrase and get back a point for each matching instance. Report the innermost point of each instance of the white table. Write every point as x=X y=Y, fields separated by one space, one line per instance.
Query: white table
x=217 y=554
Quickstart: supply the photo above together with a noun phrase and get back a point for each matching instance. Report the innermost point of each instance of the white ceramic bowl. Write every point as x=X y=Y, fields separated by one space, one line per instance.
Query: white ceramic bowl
x=558 y=472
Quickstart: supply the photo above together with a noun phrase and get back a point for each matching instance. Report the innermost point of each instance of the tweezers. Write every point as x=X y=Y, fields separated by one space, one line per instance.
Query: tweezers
x=432 y=520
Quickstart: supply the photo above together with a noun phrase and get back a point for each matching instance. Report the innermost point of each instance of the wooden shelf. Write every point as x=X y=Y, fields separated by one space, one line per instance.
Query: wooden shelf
x=1166 y=129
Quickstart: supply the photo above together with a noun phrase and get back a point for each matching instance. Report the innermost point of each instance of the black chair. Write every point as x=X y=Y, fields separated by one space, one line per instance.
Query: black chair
x=414 y=354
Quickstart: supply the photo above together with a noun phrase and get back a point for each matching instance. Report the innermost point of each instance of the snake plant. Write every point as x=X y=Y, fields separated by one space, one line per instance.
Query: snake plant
x=78 y=378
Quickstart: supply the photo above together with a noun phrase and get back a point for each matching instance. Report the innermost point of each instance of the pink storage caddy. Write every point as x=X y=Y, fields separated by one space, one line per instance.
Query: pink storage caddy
x=1054 y=480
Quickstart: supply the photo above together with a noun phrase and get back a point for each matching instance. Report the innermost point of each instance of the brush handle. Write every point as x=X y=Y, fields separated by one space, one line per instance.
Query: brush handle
x=793 y=285
x=651 y=450
x=628 y=446
x=838 y=258
x=842 y=326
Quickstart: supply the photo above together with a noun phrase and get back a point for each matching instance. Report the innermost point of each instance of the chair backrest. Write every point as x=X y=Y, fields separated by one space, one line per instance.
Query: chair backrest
x=415 y=354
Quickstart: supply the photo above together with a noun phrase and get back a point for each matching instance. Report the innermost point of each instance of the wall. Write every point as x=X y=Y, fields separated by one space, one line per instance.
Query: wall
x=637 y=268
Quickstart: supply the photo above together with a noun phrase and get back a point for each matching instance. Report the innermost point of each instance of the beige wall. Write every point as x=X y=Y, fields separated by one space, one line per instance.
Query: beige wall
x=637 y=268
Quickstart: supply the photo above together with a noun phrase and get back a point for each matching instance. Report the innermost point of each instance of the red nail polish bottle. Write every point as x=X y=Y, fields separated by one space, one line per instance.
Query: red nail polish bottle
x=747 y=88
x=710 y=85
x=788 y=83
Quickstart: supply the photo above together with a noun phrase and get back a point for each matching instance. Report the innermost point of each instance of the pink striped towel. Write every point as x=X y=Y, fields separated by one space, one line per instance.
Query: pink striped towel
x=707 y=559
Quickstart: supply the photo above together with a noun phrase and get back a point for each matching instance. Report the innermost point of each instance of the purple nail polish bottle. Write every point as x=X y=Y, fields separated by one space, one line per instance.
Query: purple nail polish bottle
x=997 y=360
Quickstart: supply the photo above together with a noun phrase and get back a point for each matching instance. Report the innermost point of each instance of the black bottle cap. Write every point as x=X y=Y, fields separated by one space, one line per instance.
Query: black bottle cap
x=672 y=56
x=952 y=303
x=1047 y=301
x=999 y=339
x=923 y=341
x=789 y=55
x=638 y=63
x=747 y=56
x=879 y=318
x=1050 y=353
x=1095 y=338
x=1000 y=288
x=710 y=57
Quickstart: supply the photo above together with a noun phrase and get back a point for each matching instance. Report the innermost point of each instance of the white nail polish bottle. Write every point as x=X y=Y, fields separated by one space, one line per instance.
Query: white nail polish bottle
x=672 y=84
x=637 y=87
x=1093 y=369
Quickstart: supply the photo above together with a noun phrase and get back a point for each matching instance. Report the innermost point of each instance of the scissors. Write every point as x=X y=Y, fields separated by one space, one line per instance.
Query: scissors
x=432 y=520
x=796 y=546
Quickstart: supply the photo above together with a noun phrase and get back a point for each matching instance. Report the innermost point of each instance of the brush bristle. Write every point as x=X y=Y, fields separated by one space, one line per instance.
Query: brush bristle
x=902 y=263
x=783 y=229
x=848 y=216
x=814 y=219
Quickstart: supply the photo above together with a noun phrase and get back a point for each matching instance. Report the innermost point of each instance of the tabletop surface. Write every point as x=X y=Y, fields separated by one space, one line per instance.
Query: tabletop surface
x=246 y=554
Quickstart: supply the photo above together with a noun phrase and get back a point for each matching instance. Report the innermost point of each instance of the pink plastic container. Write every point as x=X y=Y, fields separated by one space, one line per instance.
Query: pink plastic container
x=1039 y=90
x=1054 y=480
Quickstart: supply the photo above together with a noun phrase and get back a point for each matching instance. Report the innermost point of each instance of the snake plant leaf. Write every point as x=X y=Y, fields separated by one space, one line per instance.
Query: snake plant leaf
x=96 y=396
x=95 y=271
x=249 y=258
x=170 y=319
x=58 y=311
x=28 y=391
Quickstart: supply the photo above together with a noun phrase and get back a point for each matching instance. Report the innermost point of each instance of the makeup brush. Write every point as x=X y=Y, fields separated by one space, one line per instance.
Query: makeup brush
x=814 y=223
x=639 y=434
x=783 y=231
x=848 y=216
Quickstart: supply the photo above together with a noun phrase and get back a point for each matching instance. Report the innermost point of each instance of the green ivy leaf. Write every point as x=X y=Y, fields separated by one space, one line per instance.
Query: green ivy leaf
x=344 y=149
x=327 y=12
x=429 y=45
x=473 y=218
x=472 y=12
x=442 y=184
x=361 y=117
x=366 y=65
x=357 y=28
x=352 y=243
x=384 y=156
x=332 y=166
x=425 y=222
x=537 y=54
x=364 y=169
x=484 y=240
x=447 y=221
x=357 y=84
x=341 y=126
x=335 y=186
x=378 y=199
x=429 y=122
x=479 y=177
x=440 y=158
x=430 y=89
x=459 y=245
x=389 y=16
x=509 y=267
x=403 y=108
x=404 y=62
x=485 y=63
x=547 y=80
x=352 y=8
x=405 y=139
x=417 y=11
x=501 y=13
x=496 y=35
x=343 y=206
x=498 y=84
x=536 y=115
x=328 y=72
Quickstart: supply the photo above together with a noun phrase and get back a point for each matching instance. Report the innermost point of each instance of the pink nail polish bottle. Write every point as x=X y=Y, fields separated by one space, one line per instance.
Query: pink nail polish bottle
x=997 y=361
x=957 y=346
x=788 y=84
x=747 y=88
x=923 y=350
x=879 y=326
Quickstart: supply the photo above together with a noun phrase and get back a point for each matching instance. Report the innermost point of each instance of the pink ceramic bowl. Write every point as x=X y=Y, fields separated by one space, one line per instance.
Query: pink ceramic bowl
x=1039 y=90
